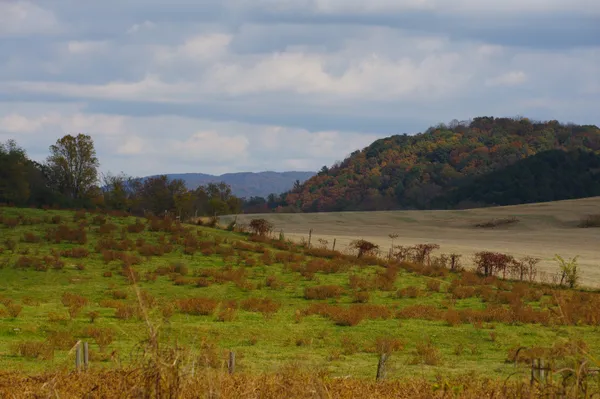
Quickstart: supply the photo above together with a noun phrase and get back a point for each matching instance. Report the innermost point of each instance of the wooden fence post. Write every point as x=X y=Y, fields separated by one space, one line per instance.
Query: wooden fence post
x=381 y=367
x=231 y=362
x=309 y=237
x=334 y=240
x=78 y=357
x=86 y=356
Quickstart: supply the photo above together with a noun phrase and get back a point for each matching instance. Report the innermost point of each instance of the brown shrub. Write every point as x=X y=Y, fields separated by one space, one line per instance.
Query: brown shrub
x=77 y=253
x=137 y=227
x=361 y=297
x=118 y=294
x=433 y=285
x=497 y=222
x=102 y=336
x=125 y=311
x=197 y=306
x=590 y=221
x=31 y=238
x=425 y=312
x=462 y=292
x=409 y=292
x=323 y=292
x=388 y=345
x=34 y=350
x=349 y=346
x=14 y=310
x=79 y=215
x=93 y=315
x=107 y=229
x=426 y=353
x=452 y=317
x=360 y=283
x=69 y=299
x=266 y=306
x=61 y=340
x=274 y=283
x=228 y=312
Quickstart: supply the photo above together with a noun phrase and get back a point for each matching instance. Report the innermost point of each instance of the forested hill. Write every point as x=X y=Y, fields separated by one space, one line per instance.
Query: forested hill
x=442 y=166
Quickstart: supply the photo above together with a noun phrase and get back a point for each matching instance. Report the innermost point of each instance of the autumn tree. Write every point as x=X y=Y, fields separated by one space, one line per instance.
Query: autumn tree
x=261 y=227
x=73 y=165
x=364 y=247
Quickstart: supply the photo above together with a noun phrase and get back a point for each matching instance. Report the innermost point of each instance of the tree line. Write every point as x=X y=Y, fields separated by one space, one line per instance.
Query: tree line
x=69 y=178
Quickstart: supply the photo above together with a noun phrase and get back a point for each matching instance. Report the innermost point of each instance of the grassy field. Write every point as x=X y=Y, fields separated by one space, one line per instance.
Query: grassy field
x=542 y=231
x=212 y=291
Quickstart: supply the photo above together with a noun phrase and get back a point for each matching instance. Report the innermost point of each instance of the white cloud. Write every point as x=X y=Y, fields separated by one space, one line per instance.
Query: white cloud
x=146 y=25
x=86 y=47
x=21 y=18
x=162 y=144
x=508 y=79
x=198 y=48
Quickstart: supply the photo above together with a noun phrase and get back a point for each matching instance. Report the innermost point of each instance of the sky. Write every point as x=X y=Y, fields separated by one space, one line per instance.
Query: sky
x=217 y=86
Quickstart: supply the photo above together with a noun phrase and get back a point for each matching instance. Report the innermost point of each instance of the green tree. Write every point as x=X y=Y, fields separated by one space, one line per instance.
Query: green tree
x=14 y=172
x=74 y=165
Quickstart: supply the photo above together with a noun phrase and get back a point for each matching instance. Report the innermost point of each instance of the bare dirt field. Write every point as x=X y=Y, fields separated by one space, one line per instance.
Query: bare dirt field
x=542 y=230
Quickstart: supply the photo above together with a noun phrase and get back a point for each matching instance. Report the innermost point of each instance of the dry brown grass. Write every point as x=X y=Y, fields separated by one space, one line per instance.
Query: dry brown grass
x=290 y=382
x=543 y=230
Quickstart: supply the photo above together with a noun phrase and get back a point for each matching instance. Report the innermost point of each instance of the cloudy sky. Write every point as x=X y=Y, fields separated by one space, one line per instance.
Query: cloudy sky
x=215 y=86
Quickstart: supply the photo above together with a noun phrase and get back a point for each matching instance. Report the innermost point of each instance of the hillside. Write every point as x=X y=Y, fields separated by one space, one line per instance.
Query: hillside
x=411 y=172
x=542 y=230
x=548 y=176
x=247 y=184
x=110 y=281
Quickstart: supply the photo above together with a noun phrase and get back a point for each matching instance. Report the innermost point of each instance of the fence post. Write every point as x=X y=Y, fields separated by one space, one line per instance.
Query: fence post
x=334 y=240
x=309 y=237
x=381 y=367
x=231 y=362
x=78 y=357
x=86 y=356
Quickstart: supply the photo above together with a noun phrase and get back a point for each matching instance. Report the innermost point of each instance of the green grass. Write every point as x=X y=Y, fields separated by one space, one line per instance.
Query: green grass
x=262 y=344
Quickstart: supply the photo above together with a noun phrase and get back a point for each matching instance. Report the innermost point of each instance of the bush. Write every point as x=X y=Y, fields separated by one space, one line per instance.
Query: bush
x=31 y=238
x=497 y=222
x=590 y=221
x=34 y=350
x=409 y=292
x=61 y=340
x=14 y=310
x=197 y=306
x=361 y=297
x=426 y=353
x=364 y=248
x=266 y=306
x=260 y=227
x=433 y=285
x=388 y=345
x=323 y=292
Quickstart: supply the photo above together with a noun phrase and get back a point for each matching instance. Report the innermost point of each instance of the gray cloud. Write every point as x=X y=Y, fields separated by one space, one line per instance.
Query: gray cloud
x=242 y=75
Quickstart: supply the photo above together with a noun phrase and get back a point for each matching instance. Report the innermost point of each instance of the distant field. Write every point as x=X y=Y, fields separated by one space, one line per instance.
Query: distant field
x=543 y=230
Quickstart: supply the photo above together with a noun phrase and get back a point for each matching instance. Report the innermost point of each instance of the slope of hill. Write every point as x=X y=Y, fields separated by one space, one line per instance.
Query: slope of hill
x=247 y=184
x=542 y=230
x=548 y=176
x=409 y=172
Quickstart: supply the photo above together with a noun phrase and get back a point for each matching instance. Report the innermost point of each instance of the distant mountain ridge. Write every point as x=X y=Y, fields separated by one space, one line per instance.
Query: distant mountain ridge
x=247 y=184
